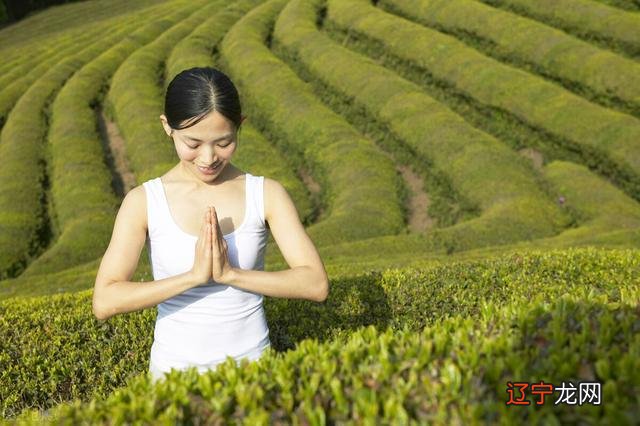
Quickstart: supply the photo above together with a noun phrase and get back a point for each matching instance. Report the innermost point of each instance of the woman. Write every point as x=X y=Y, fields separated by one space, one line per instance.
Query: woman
x=208 y=273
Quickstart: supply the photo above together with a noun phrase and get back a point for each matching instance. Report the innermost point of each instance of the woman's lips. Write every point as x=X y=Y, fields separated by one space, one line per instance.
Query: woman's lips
x=209 y=170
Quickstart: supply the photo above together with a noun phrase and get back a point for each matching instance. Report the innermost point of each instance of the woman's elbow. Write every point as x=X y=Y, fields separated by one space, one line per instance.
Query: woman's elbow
x=322 y=289
x=100 y=311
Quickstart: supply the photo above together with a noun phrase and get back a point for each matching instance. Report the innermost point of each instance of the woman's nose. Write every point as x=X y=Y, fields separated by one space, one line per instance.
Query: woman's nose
x=208 y=154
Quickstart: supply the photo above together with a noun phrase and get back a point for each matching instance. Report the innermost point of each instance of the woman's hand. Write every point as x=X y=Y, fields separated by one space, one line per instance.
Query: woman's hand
x=201 y=271
x=221 y=269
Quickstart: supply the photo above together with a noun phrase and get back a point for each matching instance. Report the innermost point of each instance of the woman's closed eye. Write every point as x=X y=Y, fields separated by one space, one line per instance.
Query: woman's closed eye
x=221 y=146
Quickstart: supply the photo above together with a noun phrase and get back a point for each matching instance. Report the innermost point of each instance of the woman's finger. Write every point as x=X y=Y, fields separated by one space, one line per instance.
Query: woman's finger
x=217 y=225
x=214 y=226
x=203 y=227
x=207 y=248
x=211 y=236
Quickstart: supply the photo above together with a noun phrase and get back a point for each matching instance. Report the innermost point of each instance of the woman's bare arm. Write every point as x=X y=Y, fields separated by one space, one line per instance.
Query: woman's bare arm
x=300 y=282
x=113 y=292
x=306 y=278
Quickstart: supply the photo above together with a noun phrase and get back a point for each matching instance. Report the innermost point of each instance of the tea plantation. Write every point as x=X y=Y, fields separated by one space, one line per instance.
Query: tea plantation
x=469 y=171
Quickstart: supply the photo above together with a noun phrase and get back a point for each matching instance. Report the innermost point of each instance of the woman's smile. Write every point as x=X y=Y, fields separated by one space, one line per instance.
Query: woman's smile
x=210 y=170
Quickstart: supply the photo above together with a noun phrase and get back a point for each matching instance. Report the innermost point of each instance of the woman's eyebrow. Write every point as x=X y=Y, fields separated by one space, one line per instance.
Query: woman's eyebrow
x=228 y=135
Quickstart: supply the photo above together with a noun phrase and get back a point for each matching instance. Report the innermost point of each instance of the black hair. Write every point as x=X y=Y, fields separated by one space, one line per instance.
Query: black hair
x=195 y=92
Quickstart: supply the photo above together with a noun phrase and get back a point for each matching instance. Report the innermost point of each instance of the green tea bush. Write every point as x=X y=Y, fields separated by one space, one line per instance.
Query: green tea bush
x=55 y=350
x=562 y=316
x=613 y=28
x=513 y=209
x=576 y=64
x=24 y=220
x=81 y=191
x=577 y=124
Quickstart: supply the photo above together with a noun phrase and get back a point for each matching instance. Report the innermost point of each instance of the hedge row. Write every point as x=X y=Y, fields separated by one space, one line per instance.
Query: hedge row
x=41 y=26
x=24 y=222
x=351 y=170
x=136 y=97
x=418 y=250
x=482 y=169
x=587 y=19
x=199 y=47
x=578 y=125
x=600 y=206
x=15 y=81
x=605 y=217
x=40 y=33
x=81 y=191
x=76 y=278
x=43 y=33
x=631 y=5
x=446 y=205
x=453 y=336
x=255 y=153
x=576 y=64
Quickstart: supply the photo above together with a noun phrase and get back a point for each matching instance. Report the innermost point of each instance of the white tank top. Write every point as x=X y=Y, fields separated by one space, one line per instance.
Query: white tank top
x=204 y=324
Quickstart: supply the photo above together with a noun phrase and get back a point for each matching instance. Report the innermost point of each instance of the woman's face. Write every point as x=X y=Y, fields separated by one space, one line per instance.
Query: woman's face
x=205 y=148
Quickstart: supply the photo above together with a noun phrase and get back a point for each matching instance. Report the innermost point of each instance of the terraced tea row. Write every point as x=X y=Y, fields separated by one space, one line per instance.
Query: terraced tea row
x=460 y=151
x=569 y=123
x=23 y=174
x=17 y=79
x=594 y=22
x=579 y=66
x=31 y=31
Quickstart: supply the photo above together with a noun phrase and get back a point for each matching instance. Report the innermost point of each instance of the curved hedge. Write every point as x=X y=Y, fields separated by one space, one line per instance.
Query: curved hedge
x=17 y=81
x=45 y=24
x=579 y=125
x=548 y=51
x=84 y=202
x=587 y=19
x=42 y=32
x=23 y=159
x=514 y=207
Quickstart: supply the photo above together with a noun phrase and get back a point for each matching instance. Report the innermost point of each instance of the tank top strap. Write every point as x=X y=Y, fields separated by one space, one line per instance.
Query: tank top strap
x=255 y=199
x=156 y=220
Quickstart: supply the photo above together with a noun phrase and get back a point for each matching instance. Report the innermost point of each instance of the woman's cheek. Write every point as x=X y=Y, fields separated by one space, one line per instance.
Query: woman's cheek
x=186 y=154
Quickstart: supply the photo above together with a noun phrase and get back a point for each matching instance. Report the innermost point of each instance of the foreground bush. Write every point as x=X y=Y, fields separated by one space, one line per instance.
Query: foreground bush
x=455 y=371
x=55 y=350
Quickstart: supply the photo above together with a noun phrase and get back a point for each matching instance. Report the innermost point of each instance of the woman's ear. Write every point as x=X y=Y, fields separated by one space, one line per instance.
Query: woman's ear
x=165 y=124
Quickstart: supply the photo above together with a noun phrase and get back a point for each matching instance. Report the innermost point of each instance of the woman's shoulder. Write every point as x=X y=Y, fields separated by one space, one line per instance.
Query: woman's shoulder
x=134 y=205
x=275 y=196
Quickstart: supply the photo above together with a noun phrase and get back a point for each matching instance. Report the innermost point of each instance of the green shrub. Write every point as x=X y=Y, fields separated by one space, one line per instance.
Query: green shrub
x=55 y=350
x=555 y=317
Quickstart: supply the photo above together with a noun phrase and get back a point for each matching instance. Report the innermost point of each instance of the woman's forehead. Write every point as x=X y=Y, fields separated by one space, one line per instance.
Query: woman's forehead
x=213 y=125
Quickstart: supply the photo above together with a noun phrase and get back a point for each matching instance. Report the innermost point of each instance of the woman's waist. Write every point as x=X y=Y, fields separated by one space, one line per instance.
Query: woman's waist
x=187 y=345
x=211 y=321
